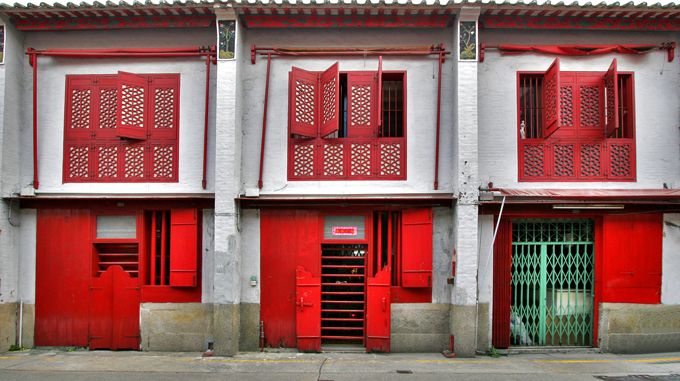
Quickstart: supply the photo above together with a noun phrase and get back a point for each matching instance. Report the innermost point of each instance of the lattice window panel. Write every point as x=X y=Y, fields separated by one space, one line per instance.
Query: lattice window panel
x=107 y=108
x=303 y=160
x=620 y=160
x=590 y=105
x=611 y=98
x=390 y=159
x=164 y=109
x=333 y=160
x=360 y=159
x=79 y=162
x=305 y=104
x=361 y=105
x=163 y=161
x=329 y=100
x=132 y=108
x=564 y=160
x=591 y=159
x=80 y=108
x=134 y=161
x=566 y=106
x=551 y=98
x=107 y=161
x=534 y=160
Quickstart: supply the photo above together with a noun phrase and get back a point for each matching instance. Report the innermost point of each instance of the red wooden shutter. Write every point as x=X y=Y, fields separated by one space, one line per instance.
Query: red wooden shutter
x=303 y=98
x=164 y=109
x=183 y=247
x=106 y=107
x=416 y=262
x=80 y=93
x=329 y=95
x=551 y=99
x=132 y=102
x=361 y=108
x=632 y=258
x=308 y=307
x=502 y=290
x=611 y=85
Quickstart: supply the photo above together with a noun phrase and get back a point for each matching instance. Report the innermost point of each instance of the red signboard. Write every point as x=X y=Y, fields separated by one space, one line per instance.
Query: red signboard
x=345 y=230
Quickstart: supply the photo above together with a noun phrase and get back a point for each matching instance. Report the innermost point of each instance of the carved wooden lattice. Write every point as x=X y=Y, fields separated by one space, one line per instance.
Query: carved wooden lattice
x=551 y=98
x=591 y=160
x=107 y=158
x=132 y=109
x=620 y=160
x=80 y=108
x=590 y=105
x=134 y=161
x=333 y=159
x=163 y=161
x=79 y=159
x=533 y=160
x=107 y=108
x=303 y=160
x=164 y=108
x=304 y=102
x=361 y=105
x=360 y=159
x=329 y=105
x=566 y=106
x=564 y=160
x=390 y=159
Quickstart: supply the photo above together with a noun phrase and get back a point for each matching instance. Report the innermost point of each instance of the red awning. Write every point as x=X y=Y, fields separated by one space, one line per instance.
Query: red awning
x=594 y=194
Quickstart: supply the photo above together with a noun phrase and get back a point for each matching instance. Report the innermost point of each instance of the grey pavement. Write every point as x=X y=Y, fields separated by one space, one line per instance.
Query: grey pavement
x=56 y=364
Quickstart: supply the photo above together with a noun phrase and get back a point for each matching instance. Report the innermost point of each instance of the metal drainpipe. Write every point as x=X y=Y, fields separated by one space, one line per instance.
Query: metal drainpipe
x=264 y=120
x=205 y=133
x=439 y=107
x=486 y=267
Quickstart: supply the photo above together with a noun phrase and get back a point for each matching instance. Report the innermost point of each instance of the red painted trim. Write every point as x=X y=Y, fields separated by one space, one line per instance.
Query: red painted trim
x=354 y=20
x=114 y=203
x=334 y=203
x=591 y=22
x=69 y=22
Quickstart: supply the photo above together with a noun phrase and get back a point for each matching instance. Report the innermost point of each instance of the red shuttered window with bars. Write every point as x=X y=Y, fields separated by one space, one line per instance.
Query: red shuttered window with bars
x=347 y=126
x=576 y=126
x=121 y=128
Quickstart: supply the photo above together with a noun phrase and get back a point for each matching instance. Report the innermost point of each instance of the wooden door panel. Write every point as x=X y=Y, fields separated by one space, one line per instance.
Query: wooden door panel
x=308 y=310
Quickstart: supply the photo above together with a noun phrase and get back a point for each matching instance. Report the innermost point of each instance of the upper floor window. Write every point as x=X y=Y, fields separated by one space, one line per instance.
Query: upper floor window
x=576 y=126
x=348 y=126
x=121 y=128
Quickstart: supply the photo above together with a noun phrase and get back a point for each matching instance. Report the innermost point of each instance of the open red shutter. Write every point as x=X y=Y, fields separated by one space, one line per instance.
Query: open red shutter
x=131 y=113
x=551 y=97
x=303 y=97
x=80 y=93
x=502 y=288
x=362 y=104
x=611 y=85
x=416 y=262
x=330 y=100
x=183 y=247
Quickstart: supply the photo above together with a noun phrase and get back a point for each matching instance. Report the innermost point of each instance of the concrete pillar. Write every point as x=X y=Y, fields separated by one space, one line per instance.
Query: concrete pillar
x=227 y=268
x=463 y=309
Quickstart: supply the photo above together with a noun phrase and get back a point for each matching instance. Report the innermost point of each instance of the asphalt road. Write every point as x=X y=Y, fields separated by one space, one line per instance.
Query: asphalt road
x=56 y=365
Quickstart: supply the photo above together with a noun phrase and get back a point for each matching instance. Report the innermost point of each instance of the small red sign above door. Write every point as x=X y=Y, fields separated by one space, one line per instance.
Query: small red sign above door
x=345 y=230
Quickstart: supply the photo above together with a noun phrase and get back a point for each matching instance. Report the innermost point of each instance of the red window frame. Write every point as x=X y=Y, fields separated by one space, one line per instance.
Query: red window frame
x=315 y=152
x=588 y=140
x=121 y=128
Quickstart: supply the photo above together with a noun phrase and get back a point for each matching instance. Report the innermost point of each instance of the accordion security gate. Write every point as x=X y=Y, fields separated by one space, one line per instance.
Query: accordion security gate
x=552 y=282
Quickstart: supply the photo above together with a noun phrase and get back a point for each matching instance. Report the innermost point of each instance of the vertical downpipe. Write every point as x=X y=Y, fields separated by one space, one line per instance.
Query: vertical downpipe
x=264 y=120
x=439 y=107
x=205 y=132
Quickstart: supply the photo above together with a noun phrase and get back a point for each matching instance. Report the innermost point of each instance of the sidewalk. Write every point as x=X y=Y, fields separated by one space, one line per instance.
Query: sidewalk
x=56 y=364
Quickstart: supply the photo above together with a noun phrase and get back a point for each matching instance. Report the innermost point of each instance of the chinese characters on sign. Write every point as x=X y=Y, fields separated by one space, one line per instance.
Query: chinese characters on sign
x=345 y=230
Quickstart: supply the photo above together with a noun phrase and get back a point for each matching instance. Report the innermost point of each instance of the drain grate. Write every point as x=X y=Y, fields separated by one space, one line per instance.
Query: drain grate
x=406 y=371
x=641 y=377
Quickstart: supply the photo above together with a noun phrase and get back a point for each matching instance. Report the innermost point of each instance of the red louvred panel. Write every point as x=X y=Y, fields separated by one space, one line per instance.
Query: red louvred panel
x=329 y=94
x=502 y=290
x=131 y=113
x=361 y=110
x=303 y=98
x=183 y=247
x=611 y=85
x=551 y=97
x=416 y=261
x=308 y=310
x=164 y=115
x=80 y=91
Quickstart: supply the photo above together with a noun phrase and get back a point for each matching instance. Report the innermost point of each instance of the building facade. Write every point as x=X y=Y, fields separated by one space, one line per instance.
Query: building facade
x=384 y=177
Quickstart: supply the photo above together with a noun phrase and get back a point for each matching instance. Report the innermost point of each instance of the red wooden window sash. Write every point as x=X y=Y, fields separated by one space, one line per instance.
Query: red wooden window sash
x=502 y=290
x=329 y=101
x=314 y=102
x=551 y=98
x=611 y=84
x=362 y=108
x=184 y=248
x=80 y=107
x=416 y=253
x=132 y=106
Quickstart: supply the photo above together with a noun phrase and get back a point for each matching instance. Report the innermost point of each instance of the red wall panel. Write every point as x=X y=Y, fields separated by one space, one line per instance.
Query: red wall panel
x=502 y=290
x=416 y=260
x=63 y=253
x=632 y=258
x=288 y=238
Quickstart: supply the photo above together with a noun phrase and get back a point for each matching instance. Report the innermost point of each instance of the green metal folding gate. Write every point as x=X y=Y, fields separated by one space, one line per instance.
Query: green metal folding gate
x=552 y=282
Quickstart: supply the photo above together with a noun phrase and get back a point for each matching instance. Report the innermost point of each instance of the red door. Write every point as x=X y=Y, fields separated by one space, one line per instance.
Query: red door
x=308 y=310
x=114 y=310
x=378 y=311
